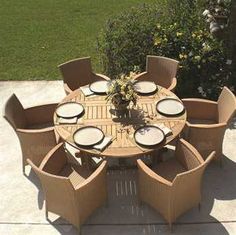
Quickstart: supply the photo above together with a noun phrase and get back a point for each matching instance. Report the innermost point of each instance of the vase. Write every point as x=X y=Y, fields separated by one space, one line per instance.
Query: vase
x=121 y=108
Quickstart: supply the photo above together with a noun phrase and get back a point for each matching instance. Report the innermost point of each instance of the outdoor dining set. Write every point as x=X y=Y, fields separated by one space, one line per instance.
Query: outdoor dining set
x=69 y=145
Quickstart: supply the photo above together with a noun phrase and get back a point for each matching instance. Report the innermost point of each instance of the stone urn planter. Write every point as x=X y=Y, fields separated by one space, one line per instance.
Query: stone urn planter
x=120 y=108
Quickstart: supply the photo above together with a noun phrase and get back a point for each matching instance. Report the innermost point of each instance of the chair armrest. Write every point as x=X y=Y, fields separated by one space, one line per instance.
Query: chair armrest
x=98 y=173
x=153 y=189
x=206 y=126
x=187 y=155
x=143 y=167
x=204 y=131
x=141 y=76
x=55 y=159
x=67 y=88
x=40 y=114
x=72 y=154
x=201 y=108
x=99 y=76
x=35 y=144
x=206 y=138
x=92 y=193
x=173 y=84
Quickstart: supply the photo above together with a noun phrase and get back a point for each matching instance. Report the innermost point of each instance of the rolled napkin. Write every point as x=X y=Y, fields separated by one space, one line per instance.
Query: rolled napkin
x=67 y=120
x=86 y=91
x=106 y=141
x=167 y=131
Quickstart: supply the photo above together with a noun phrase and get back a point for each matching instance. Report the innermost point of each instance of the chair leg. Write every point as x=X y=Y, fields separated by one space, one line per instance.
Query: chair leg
x=106 y=204
x=221 y=162
x=46 y=211
x=139 y=201
x=79 y=229
x=46 y=214
x=199 y=206
x=23 y=167
x=170 y=227
x=23 y=170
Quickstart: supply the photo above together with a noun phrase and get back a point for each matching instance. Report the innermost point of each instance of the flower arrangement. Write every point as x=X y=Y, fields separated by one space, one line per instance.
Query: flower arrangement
x=121 y=91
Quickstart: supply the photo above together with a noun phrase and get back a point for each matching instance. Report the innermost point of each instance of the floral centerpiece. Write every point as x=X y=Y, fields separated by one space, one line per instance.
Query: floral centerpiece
x=121 y=92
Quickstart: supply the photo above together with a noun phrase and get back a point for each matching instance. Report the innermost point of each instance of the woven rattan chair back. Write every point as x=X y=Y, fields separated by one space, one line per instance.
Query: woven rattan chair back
x=226 y=106
x=187 y=189
x=161 y=70
x=73 y=202
x=77 y=73
x=14 y=112
x=35 y=142
x=59 y=195
x=171 y=199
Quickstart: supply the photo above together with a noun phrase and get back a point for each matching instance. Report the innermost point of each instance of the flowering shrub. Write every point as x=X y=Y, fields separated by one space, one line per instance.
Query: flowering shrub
x=147 y=30
x=203 y=66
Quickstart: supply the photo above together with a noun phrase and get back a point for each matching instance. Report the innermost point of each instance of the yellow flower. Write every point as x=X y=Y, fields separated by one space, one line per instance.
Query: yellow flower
x=179 y=34
x=158 y=26
x=206 y=47
x=183 y=56
x=157 y=41
x=197 y=57
x=193 y=35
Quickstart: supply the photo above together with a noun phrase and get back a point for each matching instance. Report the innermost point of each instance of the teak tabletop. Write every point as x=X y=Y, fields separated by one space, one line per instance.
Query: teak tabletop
x=100 y=113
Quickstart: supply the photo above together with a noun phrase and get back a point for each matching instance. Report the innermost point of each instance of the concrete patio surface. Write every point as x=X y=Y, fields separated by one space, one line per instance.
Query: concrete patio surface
x=22 y=204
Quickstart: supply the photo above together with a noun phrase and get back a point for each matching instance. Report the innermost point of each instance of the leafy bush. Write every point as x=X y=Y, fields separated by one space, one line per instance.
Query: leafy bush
x=175 y=30
x=127 y=39
x=203 y=69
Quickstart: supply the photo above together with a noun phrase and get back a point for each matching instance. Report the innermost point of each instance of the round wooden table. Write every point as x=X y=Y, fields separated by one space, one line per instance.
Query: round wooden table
x=100 y=113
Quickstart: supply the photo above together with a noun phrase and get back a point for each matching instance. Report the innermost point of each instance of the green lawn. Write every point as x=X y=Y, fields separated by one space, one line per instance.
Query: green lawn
x=36 y=36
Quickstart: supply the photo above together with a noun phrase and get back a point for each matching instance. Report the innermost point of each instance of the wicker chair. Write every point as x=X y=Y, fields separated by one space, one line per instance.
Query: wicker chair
x=173 y=186
x=207 y=122
x=71 y=190
x=77 y=73
x=160 y=70
x=34 y=128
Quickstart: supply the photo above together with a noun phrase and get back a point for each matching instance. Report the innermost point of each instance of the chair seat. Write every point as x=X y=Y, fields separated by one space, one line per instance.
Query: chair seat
x=201 y=121
x=40 y=125
x=169 y=169
x=75 y=173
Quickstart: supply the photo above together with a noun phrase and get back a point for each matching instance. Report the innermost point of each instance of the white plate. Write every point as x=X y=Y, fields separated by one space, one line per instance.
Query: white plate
x=99 y=87
x=88 y=136
x=170 y=107
x=69 y=110
x=145 y=87
x=149 y=135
